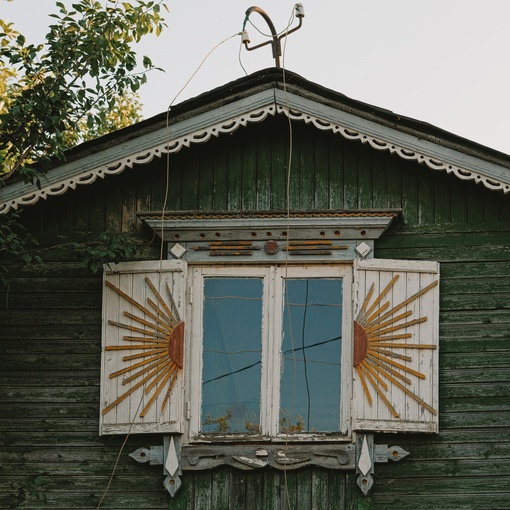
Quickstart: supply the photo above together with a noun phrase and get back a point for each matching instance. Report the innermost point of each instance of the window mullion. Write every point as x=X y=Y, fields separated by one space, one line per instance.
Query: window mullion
x=276 y=344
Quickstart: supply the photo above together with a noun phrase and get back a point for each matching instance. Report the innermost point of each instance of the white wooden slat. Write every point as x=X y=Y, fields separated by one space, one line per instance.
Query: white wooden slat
x=413 y=276
x=125 y=416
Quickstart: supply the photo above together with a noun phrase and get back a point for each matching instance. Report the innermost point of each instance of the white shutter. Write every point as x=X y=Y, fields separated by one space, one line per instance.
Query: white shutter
x=396 y=341
x=142 y=347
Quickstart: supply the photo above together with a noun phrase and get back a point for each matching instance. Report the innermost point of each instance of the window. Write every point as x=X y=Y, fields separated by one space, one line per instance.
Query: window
x=248 y=335
x=271 y=350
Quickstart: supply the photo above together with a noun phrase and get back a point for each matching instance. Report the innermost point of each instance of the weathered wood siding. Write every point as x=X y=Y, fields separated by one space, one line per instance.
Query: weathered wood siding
x=50 y=327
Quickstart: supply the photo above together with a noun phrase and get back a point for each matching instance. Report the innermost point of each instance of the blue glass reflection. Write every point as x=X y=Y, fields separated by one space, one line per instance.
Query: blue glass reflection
x=232 y=350
x=311 y=347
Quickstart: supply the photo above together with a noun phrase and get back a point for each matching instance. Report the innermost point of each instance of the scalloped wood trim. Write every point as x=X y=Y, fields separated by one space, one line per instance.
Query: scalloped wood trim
x=230 y=125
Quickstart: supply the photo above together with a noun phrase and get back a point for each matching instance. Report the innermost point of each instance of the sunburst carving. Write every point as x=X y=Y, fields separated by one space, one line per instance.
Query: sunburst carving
x=159 y=336
x=378 y=331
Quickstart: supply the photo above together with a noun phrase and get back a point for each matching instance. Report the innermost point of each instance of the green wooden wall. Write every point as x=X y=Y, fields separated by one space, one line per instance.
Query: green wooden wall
x=50 y=325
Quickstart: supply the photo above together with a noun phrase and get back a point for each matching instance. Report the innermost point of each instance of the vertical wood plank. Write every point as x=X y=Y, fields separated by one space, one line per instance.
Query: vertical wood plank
x=396 y=169
x=235 y=168
x=273 y=481
x=458 y=205
x=442 y=197
x=319 y=490
x=490 y=206
x=337 y=491
x=237 y=490
x=249 y=182
x=365 y=179
x=203 y=485
x=322 y=164
x=129 y=201
x=190 y=182
x=425 y=197
x=304 y=488
x=255 y=489
x=113 y=208
x=289 y=490
x=220 y=180
x=336 y=174
x=307 y=170
x=295 y=169
x=379 y=179
x=220 y=490
x=279 y=162
x=351 y=177
x=206 y=181
x=184 y=499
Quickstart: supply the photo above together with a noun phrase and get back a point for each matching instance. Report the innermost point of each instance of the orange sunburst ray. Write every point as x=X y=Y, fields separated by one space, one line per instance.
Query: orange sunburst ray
x=170 y=368
x=408 y=392
x=166 y=378
x=158 y=326
x=140 y=339
x=126 y=394
x=390 y=354
x=359 y=371
x=404 y=346
x=137 y=365
x=148 y=377
x=383 y=368
x=370 y=368
x=163 y=361
x=410 y=299
x=361 y=312
x=168 y=392
x=145 y=354
x=175 y=312
x=400 y=366
x=374 y=325
x=129 y=299
x=131 y=347
x=379 y=298
x=380 y=310
x=387 y=338
x=169 y=320
x=159 y=298
x=404 y=325
x=135 y=329
x=382 y=395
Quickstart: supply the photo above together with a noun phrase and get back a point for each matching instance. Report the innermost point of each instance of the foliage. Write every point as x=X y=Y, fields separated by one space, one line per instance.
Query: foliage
x=124 y=113
x=80 y=84
x=87 y=63
x=15 y=243
x=103 y=249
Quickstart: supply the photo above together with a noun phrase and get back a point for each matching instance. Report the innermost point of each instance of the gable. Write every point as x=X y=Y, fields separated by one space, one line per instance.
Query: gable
x=331 y=112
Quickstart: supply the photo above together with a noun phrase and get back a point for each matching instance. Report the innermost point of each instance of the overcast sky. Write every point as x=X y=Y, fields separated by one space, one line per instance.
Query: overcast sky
x=445 y=62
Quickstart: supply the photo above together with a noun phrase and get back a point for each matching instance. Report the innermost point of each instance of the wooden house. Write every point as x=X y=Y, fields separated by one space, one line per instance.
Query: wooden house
x=317 y=316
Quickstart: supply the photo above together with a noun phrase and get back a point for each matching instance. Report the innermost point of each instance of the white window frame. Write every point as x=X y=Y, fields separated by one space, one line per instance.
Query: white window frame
x=274 y=276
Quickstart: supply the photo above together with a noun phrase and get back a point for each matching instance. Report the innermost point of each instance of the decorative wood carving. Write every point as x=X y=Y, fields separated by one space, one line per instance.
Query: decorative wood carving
x=359 y=456
x=378 y=333
x=159 y=335
x=230 y=124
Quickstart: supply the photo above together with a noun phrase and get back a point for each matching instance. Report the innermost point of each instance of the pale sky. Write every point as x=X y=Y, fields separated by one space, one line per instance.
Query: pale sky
x=446 y=62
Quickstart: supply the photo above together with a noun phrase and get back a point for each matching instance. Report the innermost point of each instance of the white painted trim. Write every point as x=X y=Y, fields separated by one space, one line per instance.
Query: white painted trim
x=253 y=109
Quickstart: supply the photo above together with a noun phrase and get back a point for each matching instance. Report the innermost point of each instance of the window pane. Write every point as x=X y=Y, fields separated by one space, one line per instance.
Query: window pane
x=232 y=352
x=311 y=352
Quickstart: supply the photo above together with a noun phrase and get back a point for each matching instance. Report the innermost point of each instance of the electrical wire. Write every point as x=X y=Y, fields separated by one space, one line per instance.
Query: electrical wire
x=165 y=203
x=201 y=64
x=305 y=366
x=291 y=135
x=239 y=57
x=110 y=480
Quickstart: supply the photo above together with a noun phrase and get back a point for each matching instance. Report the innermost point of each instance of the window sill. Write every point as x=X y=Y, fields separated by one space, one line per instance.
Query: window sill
x=339 y=456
